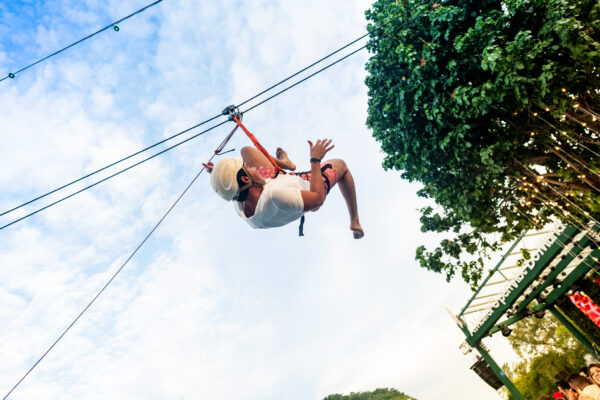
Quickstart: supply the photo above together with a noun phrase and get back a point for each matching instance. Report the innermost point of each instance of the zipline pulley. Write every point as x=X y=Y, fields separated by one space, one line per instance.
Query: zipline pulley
x=232 y=111
x=236 y=115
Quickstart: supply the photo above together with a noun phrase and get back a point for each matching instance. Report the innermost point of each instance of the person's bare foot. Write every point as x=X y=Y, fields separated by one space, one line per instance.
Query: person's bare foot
x=285 y=161
x=357 y=230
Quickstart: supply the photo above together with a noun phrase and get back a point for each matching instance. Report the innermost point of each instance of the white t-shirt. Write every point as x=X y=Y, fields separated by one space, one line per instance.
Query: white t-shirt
x=279 y=203
x=592 y=391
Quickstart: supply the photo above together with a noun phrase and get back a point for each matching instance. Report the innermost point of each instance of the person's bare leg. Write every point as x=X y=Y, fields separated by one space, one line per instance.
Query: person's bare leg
x=255 y=158
x=346 y=183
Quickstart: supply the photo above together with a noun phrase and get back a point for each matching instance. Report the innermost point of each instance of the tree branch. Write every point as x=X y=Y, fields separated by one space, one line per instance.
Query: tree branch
x=569 y=185
x=586 y=179
x=574 y=119
x=538 y=160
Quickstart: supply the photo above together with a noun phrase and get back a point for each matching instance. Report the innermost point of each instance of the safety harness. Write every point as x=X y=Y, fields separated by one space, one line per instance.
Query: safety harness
x=235 y=115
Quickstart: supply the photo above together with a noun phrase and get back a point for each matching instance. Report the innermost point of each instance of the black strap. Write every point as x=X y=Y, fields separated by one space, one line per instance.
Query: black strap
x=304 y=175
x=277 y=171
x=323 y=169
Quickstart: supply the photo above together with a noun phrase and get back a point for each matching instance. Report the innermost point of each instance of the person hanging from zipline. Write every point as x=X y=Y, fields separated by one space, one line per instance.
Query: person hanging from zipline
x=267 y=197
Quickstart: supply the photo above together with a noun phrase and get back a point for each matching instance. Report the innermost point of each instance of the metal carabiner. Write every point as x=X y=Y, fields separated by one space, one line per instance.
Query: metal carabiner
x=232 y=111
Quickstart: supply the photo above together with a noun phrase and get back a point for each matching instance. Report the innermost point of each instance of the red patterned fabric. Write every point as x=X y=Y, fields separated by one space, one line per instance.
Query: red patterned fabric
x=269 y=173
x=266 y=172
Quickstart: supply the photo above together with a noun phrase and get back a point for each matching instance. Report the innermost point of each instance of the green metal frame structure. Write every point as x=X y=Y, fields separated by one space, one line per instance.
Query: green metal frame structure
x=560 y=257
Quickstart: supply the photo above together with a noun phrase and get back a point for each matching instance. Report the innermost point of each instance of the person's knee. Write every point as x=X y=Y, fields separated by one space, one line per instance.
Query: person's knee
x=342 y=164
x=247 y=151
x=253 y=157
x=335 y=161
x=339 y=165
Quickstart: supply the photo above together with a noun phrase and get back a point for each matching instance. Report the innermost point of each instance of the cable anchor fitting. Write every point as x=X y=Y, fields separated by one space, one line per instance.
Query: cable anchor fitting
x=220 y=152
x=232 y=111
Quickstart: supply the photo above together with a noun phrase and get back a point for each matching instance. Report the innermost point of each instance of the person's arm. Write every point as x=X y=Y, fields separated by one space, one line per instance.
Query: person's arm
x=316 y=196
x=208 y=166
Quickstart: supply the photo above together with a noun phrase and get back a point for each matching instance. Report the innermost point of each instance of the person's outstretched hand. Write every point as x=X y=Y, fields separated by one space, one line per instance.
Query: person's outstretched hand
x=209 y=166
x=319 y=149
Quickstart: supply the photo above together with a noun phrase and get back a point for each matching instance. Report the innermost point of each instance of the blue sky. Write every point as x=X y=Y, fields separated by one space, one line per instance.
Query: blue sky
x=209 y=308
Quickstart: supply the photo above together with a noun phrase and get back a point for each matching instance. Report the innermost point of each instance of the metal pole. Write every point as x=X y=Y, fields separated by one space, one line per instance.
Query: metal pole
x=499 y=373
x=574 y=331
x=504 y=257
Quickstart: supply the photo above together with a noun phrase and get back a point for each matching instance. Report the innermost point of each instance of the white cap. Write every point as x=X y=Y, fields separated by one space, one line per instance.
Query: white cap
x=224 y=177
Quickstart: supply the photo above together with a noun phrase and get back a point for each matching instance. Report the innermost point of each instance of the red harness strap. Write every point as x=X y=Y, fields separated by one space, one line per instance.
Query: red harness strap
x=257 y=144
x=266 y=153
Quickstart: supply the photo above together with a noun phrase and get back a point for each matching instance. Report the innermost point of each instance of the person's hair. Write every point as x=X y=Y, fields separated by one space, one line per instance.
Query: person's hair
x=544 y=397
x=577 y=381
x=585 y=371
x=589 y=367
x=592 y=365
x=243 y=195
x=561 y=376
x=561 y=383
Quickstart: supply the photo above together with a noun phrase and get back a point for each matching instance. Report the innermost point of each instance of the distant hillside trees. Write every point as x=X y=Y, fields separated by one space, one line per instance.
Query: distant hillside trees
x=378 y=394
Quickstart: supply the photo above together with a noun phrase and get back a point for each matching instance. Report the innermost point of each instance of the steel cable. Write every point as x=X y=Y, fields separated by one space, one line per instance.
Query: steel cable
x=202 y=123
x=113 y=175
x=13 y=74
x=327 y=56
x=120 y=268
x=221 y=146
x=109 y=165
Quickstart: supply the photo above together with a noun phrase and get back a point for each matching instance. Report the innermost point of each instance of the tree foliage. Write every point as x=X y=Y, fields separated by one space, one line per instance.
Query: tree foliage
x=547 y=348
x=492 y=106
x=535 y=336
x=378 y=394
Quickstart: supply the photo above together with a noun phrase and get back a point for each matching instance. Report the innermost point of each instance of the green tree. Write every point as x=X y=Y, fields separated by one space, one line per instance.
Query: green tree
x=493 y=106
x=378 y=394
x=547 y=348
